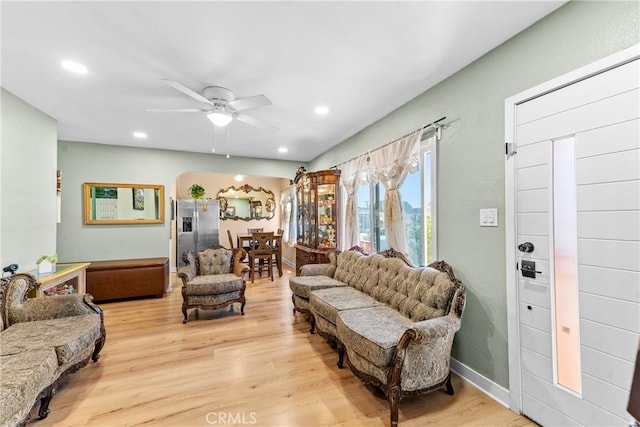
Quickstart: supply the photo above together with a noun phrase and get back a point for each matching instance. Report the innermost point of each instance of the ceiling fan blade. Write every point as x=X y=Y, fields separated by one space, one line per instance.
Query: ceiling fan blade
x=175 y=110
x=255 y=122
x=250 y=102
x=187 y=91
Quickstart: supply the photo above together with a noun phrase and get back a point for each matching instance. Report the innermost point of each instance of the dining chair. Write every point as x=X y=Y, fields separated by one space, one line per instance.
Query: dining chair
x=262 y=253
x=277 y=251
x=252 y=244
x=231 y=246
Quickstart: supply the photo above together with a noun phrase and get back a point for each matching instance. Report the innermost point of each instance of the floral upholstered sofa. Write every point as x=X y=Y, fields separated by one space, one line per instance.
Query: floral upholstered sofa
x=41 y=340
x=394 y=322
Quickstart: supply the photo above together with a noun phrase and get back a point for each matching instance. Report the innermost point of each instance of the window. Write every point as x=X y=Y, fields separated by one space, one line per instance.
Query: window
x=429 y=192
x=379 y=229
x=364 y=217
x=412 y=207
x=418 y=203
x=565 y=266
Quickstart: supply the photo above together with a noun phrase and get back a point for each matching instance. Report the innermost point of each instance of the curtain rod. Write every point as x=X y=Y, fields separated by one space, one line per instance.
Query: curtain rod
x=434 y=123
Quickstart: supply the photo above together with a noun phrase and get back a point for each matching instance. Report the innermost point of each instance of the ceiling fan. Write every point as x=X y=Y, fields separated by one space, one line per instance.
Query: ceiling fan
x=222 y=105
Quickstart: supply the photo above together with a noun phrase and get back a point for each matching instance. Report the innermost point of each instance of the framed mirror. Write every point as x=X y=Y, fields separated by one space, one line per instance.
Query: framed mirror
x=246 y=203
x=110 y=203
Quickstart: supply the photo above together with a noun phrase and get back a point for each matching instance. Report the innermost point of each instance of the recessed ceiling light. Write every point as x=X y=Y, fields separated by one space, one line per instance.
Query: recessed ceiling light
x=321 y=109
x=74 y=67
x=238 y=178
x=140 y=135
x=283 y=149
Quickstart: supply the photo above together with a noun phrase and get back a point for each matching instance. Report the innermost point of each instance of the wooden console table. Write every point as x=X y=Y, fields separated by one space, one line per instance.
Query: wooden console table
x=74 y=274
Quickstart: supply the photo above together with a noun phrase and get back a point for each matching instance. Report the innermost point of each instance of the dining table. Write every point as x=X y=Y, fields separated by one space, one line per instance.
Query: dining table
x=277 y=243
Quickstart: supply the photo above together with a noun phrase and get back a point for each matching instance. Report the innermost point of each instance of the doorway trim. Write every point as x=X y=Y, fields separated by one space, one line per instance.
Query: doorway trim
x=513 y=332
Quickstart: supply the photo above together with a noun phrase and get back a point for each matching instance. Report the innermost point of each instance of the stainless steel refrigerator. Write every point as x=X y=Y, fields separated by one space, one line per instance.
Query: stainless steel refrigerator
x=198 y=226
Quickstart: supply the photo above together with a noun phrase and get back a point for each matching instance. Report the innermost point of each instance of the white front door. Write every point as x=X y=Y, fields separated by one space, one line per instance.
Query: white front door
x=576 y=246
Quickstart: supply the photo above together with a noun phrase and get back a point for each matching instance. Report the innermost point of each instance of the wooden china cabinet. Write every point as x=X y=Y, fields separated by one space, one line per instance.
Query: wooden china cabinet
x=317 y=196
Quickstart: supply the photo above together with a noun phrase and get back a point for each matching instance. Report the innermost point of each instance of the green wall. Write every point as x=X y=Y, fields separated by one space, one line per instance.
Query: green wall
x=84 y=162
x=471 y=156
x=27 y=183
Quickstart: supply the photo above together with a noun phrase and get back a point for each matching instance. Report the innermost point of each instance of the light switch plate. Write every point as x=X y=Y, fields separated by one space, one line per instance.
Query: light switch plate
x=489 y=217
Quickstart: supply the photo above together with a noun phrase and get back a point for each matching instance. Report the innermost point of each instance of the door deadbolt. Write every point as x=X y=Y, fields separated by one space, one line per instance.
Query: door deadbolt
x=526 y=247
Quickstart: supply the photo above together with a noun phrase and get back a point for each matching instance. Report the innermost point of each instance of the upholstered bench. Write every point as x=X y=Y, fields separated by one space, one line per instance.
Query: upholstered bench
x=128 y=278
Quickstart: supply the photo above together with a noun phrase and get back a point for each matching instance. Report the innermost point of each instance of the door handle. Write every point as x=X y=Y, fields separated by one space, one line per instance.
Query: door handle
x=529 y=269
x=526 y=247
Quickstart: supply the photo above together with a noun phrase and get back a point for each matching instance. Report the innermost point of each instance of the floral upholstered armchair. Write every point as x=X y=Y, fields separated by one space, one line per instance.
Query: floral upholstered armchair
x=213 y=278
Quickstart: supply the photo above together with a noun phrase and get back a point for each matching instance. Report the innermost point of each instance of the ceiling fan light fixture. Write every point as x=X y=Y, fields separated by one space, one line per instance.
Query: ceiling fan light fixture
x=220 y=118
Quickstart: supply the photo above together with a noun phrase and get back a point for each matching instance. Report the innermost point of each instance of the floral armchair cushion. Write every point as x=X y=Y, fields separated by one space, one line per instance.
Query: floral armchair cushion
x=214 y=261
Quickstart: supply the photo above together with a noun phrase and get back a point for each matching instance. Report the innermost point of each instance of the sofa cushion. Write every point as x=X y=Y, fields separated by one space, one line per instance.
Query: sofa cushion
x=345 y=266
x=372 y=332
x=357 y=270
x=69 y=336
x=388 y=270
x=22 y=377
x=214 y=284
x=420 y=294
x=303 y=285
x=328 y=302
x=215 y=261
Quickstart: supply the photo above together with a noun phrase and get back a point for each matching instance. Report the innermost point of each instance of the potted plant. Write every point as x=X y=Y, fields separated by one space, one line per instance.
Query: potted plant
x=196 y=191
x=47 y=263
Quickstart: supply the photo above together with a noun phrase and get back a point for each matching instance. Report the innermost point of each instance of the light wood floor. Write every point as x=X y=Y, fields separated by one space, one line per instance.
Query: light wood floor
x=262 y=369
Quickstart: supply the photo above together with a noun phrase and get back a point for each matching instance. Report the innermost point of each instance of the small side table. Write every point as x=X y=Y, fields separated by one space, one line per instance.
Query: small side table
x=73 y=274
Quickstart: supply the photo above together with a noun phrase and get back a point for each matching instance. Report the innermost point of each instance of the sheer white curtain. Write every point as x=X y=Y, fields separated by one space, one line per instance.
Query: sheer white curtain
x=350 y=178
x=288 y=217
x=390 y=165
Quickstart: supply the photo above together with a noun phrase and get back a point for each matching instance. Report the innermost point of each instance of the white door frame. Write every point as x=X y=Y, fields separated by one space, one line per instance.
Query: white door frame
x=513 y=320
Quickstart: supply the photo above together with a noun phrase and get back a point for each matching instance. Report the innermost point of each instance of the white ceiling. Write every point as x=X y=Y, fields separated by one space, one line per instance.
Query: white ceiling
x=361 y=59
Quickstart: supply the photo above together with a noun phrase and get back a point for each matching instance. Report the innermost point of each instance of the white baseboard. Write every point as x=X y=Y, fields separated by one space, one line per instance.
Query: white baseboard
x=484 y=384
x=288 y=262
